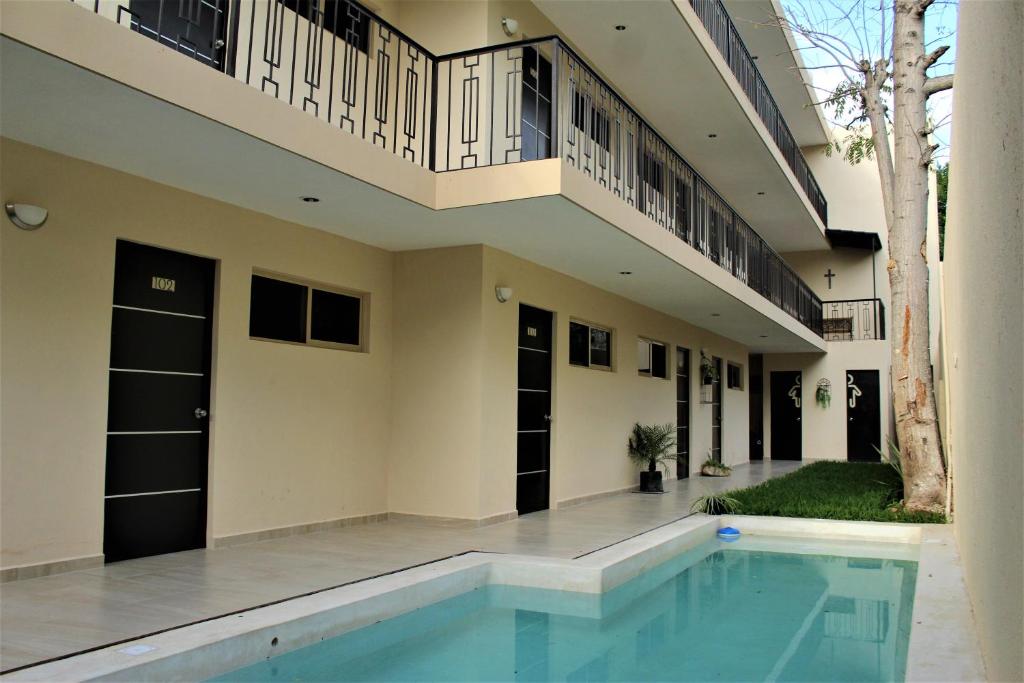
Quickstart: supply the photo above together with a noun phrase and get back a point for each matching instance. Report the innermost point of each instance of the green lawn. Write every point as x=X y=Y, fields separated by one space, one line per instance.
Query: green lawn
x=833 y=490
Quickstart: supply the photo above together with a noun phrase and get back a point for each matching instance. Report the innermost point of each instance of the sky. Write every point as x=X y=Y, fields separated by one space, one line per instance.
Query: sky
x=862 y=31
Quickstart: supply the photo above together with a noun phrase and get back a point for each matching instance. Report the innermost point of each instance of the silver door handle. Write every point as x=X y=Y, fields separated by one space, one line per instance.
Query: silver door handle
x=547 y=418
x=200 y=413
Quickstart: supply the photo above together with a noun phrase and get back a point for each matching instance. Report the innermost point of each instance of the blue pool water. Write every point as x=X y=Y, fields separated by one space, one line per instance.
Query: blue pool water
x=716 y=613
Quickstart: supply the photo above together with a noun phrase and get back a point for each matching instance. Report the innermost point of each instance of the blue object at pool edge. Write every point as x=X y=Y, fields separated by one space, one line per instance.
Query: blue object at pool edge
x=729 y=533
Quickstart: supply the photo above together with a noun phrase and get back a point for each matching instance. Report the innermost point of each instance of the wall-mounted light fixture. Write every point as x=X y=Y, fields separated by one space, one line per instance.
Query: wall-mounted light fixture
x=503 y=294
x=26 y=216
x=510 y=26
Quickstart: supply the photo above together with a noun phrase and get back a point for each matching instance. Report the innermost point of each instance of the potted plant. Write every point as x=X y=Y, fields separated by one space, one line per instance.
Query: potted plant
x=713 y=468
x=708 y=371
x=716 y=504
x=649 y=446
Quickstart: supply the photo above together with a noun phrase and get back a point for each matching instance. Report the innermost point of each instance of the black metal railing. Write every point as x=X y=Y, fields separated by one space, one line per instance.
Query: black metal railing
x=853 y=319
x=534 y=99
x=722 y=30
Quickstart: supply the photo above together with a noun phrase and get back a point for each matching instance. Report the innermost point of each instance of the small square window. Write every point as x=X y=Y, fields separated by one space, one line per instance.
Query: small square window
x=590 y=346
x=335 y=318
x=303 y=313
x=651 y=358
x=277 y=310
x=734 y=376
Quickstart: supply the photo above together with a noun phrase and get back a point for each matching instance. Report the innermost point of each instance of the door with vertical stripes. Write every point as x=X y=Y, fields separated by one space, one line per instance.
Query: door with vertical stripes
x=158 y=405
x=533 y=415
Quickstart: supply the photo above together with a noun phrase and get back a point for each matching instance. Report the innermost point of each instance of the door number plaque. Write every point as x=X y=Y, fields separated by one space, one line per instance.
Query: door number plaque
x=163 y=284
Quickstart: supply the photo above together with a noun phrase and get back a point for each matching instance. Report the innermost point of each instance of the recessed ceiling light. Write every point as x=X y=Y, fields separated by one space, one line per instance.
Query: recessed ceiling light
x=763 y=336
x=760 y=194
x=712 y=135
x=715 y=315
x=625 y=272
x=310 y=200
x=753 y=56
x=620 y=27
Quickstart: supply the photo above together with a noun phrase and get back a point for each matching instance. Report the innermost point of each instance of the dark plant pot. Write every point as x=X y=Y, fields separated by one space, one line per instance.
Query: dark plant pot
x=650 y=482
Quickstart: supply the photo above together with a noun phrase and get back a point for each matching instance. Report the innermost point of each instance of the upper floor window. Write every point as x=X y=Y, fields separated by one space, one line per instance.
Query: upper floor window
x=282 y=309
x=590 y=346
x=651 y=358
x=595 y=123
x=346 y=19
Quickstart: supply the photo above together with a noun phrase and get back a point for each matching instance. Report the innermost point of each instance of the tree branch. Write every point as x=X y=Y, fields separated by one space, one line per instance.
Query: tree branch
x=937 y=84
x=934 y=56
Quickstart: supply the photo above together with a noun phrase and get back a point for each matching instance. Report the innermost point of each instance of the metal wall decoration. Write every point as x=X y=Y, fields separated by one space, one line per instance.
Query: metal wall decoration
x=525 y=100
x=823 y=393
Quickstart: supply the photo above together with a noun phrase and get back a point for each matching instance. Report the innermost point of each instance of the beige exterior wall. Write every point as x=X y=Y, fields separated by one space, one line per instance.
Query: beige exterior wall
x=298 y=434
x=823 y=430
x=984 y=324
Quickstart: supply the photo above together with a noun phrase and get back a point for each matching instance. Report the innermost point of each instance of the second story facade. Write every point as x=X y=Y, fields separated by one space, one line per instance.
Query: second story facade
x=640 y=116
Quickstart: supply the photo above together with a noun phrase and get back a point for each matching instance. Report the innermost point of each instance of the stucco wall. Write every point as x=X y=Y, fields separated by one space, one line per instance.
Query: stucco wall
x=984 y=323
x=823 y=430
x=298 y=434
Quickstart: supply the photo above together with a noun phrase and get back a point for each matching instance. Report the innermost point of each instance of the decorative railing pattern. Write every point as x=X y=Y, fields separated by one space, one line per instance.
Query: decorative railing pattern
x=853 y=319
x=725 y=36
x=534 y=99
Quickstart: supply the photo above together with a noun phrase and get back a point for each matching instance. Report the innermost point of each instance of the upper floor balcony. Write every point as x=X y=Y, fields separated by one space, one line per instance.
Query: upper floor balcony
x=526 y=101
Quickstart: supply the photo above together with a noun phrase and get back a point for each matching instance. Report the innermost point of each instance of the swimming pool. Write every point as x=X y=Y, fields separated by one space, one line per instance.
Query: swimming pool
x=715 y=612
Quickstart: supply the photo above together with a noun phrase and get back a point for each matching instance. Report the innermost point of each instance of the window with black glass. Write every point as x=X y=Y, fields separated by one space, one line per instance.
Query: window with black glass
x=590 y=346
x=593 y=122
x=651 y=358
x=734 y=376
x=348 y=20
x=299 y=312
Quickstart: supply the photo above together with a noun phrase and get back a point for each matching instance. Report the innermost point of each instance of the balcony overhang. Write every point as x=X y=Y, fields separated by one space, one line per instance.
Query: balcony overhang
x=782 y=67
x=671 y=71
x=228 y=144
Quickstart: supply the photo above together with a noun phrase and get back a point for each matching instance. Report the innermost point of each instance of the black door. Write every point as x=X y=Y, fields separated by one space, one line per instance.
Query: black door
x=682 y=413
x=787 y=399
x=756 y=391
x=157 y=432
x=863 y=416
x=534 y=411
x=716 y=411
x=536 y=107
x=197 y=28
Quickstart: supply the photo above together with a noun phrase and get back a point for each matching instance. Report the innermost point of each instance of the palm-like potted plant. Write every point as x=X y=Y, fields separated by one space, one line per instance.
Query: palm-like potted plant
x=650 y=446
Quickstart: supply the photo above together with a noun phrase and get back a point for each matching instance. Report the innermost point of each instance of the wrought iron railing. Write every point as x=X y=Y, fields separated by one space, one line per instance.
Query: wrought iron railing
x=725 y=36
x=534 y=99
x=853 y=319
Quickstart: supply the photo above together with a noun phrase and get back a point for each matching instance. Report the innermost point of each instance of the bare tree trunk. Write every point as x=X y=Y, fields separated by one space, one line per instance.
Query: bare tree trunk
x=924 y=479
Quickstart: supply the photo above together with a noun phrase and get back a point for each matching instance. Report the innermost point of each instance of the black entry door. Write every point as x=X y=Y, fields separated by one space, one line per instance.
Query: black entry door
x=157 y=434
x=787 y=401
x=756 y=407
x=197 y=28
x=682 y=413
x=863 y=416
x=534 y=412
x=536 y=106
x=716 y=411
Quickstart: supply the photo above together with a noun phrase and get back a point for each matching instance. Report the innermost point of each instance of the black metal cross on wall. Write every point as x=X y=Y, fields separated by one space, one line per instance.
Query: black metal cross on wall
x=829 y=274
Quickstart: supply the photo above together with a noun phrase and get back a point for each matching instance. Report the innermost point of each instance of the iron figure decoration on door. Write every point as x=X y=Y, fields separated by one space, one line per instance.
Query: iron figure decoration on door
x=854 y=391
x=794 y=391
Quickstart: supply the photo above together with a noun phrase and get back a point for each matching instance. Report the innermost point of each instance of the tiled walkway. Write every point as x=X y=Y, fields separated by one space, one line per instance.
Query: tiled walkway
x=57 y=615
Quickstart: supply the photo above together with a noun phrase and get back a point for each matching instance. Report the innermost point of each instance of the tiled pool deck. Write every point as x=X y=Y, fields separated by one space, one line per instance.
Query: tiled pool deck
x=57 y=615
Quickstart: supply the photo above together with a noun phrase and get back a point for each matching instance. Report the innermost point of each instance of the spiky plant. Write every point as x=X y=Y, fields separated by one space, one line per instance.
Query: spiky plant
x=716 y=504
x=651 y=445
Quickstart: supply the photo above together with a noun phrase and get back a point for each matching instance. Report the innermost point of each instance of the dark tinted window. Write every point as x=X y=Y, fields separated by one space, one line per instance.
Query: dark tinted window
x=734 y=376
x=277 y=310
x=335 y=318
x=349 y=21
x=659 y=360
x=579 y=344
x=600 y=347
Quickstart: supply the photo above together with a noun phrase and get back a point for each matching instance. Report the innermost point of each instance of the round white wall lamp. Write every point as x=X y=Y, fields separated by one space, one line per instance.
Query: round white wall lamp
x=26 y=216
x=503 y=294
x=510 y=26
